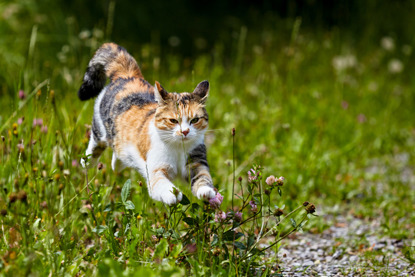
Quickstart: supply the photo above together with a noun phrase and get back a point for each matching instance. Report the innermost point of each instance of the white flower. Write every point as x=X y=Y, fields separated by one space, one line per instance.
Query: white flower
x=387 y=43
x=341 y=63
x=395 y=66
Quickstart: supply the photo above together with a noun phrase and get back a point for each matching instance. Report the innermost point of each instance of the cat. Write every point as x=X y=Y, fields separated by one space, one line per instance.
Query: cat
x=158 y=133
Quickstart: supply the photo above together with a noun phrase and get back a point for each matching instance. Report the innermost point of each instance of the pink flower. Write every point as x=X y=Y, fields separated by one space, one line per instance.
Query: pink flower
x=254 y=207
x=280 y=181
x=238 y=216
x=37 y=122
x=74 y=163
x=22 y=95
x=270 y=180
x=216 y=201
x=252 y=176
x=20 y=146
x=20 y=120
x=220 y=217
x=361 y=118
x=345 y=105
x=44 y=129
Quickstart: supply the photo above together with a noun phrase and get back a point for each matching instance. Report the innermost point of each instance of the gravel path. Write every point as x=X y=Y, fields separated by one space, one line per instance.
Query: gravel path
x=350 y=247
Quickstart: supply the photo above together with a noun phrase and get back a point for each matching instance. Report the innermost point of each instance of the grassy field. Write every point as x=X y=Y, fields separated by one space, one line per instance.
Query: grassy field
x=333 y=115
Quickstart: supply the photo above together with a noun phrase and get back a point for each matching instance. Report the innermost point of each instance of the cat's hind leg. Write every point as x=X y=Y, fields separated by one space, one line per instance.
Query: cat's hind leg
x=116 y=164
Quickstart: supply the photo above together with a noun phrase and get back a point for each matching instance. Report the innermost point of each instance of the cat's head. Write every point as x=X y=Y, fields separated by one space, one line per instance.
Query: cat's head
x=181 y=117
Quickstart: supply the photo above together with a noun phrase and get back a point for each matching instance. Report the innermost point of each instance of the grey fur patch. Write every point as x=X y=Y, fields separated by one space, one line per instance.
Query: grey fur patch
x=198 y=155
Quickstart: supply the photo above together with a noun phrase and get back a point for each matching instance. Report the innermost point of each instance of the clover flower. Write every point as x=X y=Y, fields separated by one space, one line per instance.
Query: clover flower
x=37 y=122
x=280 y=181
x=216 y=201
x=238 y=216
x=21 y=94
x=252 y=176
x=270 y=180
x=254 y=207
x=220 y=217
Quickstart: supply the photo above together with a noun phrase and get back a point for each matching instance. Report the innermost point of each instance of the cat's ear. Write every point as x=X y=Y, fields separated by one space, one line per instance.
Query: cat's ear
x=160 y=94
x=202 y=90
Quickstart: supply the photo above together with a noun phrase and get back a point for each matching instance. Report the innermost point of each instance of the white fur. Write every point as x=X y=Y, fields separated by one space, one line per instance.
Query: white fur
x=205 y=192
x=157 y=95
x=97 y=115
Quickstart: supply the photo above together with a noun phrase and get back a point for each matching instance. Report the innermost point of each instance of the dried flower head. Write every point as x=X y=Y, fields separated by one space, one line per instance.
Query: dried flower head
x=22 y=196
x=12 y=197
x=310 y=208
x=278 y=212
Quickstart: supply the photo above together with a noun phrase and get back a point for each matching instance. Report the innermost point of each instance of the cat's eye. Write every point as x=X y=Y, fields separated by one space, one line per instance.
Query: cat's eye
x=174 y=121
x=194 y=120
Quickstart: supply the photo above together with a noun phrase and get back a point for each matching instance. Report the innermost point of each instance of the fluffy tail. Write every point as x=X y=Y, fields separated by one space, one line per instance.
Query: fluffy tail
x=110 y=61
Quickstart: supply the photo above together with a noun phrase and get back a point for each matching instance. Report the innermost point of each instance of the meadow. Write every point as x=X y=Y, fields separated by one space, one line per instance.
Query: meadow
x=331 y=113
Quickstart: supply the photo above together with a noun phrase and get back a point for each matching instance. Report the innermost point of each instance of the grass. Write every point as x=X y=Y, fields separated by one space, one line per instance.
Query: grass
x=334 y=118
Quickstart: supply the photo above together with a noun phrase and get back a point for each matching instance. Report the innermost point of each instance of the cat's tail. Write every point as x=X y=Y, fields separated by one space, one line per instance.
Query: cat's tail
x=110 y=61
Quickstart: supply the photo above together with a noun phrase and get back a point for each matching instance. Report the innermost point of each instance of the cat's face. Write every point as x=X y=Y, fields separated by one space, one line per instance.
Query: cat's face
x=181 y=117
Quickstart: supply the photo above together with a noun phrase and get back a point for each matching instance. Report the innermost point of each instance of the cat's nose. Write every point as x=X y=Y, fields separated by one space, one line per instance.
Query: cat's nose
x=185 y=132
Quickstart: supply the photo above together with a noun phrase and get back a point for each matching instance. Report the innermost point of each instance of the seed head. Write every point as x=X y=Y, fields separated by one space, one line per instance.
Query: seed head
x=12 y=197
x=278 y=212
x=22 y=196
x=310 y=208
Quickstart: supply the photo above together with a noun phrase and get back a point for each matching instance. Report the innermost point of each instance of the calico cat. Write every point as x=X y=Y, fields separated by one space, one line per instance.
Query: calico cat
x=158 y=133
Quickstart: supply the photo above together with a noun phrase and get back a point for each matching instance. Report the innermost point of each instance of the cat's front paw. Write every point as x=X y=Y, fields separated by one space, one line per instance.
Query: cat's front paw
x=166 y=193
x=205 y=193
